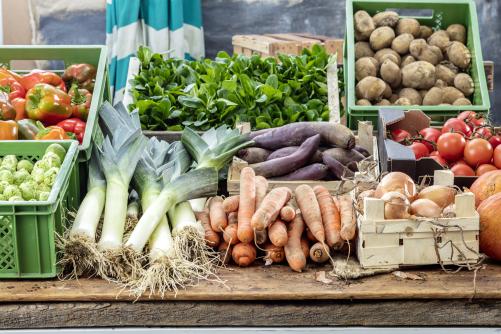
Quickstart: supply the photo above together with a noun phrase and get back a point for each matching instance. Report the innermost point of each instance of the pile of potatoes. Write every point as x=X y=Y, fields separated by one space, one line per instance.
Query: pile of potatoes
x=400 y=62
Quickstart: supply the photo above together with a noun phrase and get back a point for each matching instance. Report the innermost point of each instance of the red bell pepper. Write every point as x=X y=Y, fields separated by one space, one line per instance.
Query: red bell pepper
x=7 y=111
x=47 y=104
x=84 y=75
x=80 y=102
x=74 y=125
x=12 y=87
x=19 y=104
x=38 y=76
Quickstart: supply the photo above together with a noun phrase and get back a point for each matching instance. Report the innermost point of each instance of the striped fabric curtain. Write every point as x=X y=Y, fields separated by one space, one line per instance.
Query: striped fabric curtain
x=173 y=27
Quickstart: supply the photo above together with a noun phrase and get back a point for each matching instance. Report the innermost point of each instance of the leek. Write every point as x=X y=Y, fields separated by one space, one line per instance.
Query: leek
x=133 y=206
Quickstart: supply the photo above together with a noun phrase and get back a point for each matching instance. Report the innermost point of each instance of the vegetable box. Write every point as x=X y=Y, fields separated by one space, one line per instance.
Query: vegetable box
x=423 y=241
x=439 y=14
x=28 y=230
x=364 y=138
x=397 y=157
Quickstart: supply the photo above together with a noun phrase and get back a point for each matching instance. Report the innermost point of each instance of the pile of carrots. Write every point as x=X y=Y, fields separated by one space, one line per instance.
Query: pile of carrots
x=284 y=225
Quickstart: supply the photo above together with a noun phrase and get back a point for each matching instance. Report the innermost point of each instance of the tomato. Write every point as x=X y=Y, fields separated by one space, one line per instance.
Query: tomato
x=462 y=170
x=497 y=157
x=482 y=169
x=434 y=153
x=495 y=140
x=477 y=151
x=456 y=125
x=482 y=133
x=441 y=161
x=472 y=119
x=420 y=150
x=451 y=146
x=457 y=162
x=431 y=136
x=399 y=135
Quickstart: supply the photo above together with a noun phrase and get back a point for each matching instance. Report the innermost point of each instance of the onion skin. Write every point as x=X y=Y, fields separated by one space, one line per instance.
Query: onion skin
x=486 y=185
x=396 y=205
x=399 y=182
x=449 y=211
x=441 y=195
x=490 y=226
x=425 y=208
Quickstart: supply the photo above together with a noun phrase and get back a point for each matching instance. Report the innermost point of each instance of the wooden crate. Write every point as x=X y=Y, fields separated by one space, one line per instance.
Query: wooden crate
x=364 y=138
x=406 y=242
x=270 y=45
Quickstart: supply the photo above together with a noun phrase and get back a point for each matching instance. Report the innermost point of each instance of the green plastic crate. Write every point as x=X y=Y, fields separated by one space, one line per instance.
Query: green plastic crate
x=28 y=229
x=74 y=54
x=444 y=13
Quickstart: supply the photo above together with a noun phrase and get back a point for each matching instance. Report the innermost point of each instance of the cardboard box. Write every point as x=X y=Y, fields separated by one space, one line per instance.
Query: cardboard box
x=397 y=157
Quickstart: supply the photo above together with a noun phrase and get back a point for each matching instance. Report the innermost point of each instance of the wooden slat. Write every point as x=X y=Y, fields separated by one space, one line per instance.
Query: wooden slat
x=330 y=44
x=264 y=44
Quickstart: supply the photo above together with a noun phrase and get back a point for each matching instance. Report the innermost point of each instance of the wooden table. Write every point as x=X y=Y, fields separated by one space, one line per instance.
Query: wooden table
x=263 y=296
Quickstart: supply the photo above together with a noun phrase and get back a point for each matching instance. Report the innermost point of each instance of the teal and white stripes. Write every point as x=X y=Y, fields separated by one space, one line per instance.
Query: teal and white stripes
x=166 y=26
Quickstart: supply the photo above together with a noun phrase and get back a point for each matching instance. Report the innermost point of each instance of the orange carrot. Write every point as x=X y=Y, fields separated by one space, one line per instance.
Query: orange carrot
x=232 y=218
x=230 y=234
x=319 y=252
x=211 y=238
x=230 y=204
x=247 y=204
x=293 y=251
x=330 y=215
x=274 y=254
x=244 y=254
x=310 y=236
x=225 y=251
x=308 y=204
x=218 y=218
x=261 y=236
x=277 y=232
x=261 y=190
x=270 y=208
x=348 y=219
x=305 y=248
x=287 y=213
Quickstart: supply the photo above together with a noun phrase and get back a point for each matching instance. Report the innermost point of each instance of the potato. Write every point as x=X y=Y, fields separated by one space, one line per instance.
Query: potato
x=359 y=37
x=440 y=39
x=457 y=32
x=462 y=102
x=419 y=75
x=408 y=25
x=390 y=72
x=440 y=83
x=386 y=19
x=445 y=74
x=425 y=32
x=387 y=91
x=423 y=92
x=450 y=66
x=370 y=88
x=401 y=43
x=464 y=83
x=459 y=55
x=363 y=102
x=433 y=97
x=412 y=95
x=451 y=94
x=381 y=38
x=366 y=67
x=390 y=54
x=403 y=101
x=384 y=102
x=406 y=60
x=393 y=98
x=363 y=23
x=420 y=50
x=363 y=49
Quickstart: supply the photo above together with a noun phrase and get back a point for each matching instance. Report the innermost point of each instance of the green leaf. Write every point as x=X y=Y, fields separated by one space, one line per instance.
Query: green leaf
x=272 y=81
x=191 y=101
x=230 y=85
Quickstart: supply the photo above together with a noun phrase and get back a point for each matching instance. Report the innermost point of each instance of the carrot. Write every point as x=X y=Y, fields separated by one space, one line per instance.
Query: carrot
x=274 y=254
x=225 y=251
x=270 y=208
x=277 y=232
x=244 y=254
x=330 y=215
x=287 y=213
x=217 y=215
x=310 y=236
x=211 y=238
x=308 y=204
x=247 y=204
x=261 y=190
x=230 y=234
x=232 y=218
x=319 y=252
x=305 y=248
x=348 y=220
x=261 y=236
x=230 y=204
x=293 y=251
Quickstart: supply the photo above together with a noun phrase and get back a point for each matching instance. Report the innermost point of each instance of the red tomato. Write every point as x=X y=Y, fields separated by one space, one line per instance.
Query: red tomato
x=482 y=169
x=434 y=153
x=430 y=135
x=495 y=140
x=399 y=135
x=460 y=161
x=441 y=161
x=472 y=119
x=482 y=133
x=462 y=170
x=456 y=125
x=451 y=146
x=420 y=150
x=477 y=151
x=497 y=157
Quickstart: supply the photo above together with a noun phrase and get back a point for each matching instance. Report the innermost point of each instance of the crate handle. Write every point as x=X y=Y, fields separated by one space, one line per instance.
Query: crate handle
x=418 y=13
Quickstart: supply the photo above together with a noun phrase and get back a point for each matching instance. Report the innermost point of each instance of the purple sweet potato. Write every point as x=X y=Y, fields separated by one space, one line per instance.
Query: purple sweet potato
x=253 y=154
x=362 y=150
x=314 y=171
x=337 y=168
x=344 y=156
x=285 y=151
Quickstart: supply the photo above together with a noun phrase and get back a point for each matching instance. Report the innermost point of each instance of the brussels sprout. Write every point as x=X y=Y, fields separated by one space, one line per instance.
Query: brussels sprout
x=11 y=190
x=28 y=190
x=38 y=174
x=9 y=159
x=52 y=160
x=6 y=175
x=44 y=187
x=50 y=176
x=15 y=199
x=20 y=176
x=3 y=184
x=42 y=164
x=43 y=196
x=57 y=149
x=2 y=197
x=25 y=164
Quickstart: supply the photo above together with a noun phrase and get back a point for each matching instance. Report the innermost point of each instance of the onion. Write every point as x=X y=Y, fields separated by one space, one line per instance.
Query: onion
x=449 y=211
x=441 y=195
x=490 y=226
x=425 y=208
x=396 y=205
x=486 y=185
x=399 y=182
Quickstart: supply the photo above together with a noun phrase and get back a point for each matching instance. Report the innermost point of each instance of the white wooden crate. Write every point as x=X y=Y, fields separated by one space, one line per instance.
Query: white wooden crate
x=405 y=242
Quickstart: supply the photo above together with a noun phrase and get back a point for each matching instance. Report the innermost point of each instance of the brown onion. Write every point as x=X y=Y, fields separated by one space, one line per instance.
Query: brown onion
x=396 y=181
x=396 y=205
x=425 y=208
x=441 y=195
x=449 y=211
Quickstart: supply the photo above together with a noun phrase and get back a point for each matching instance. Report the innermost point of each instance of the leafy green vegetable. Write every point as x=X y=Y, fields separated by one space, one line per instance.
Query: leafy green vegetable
x=171 y=94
